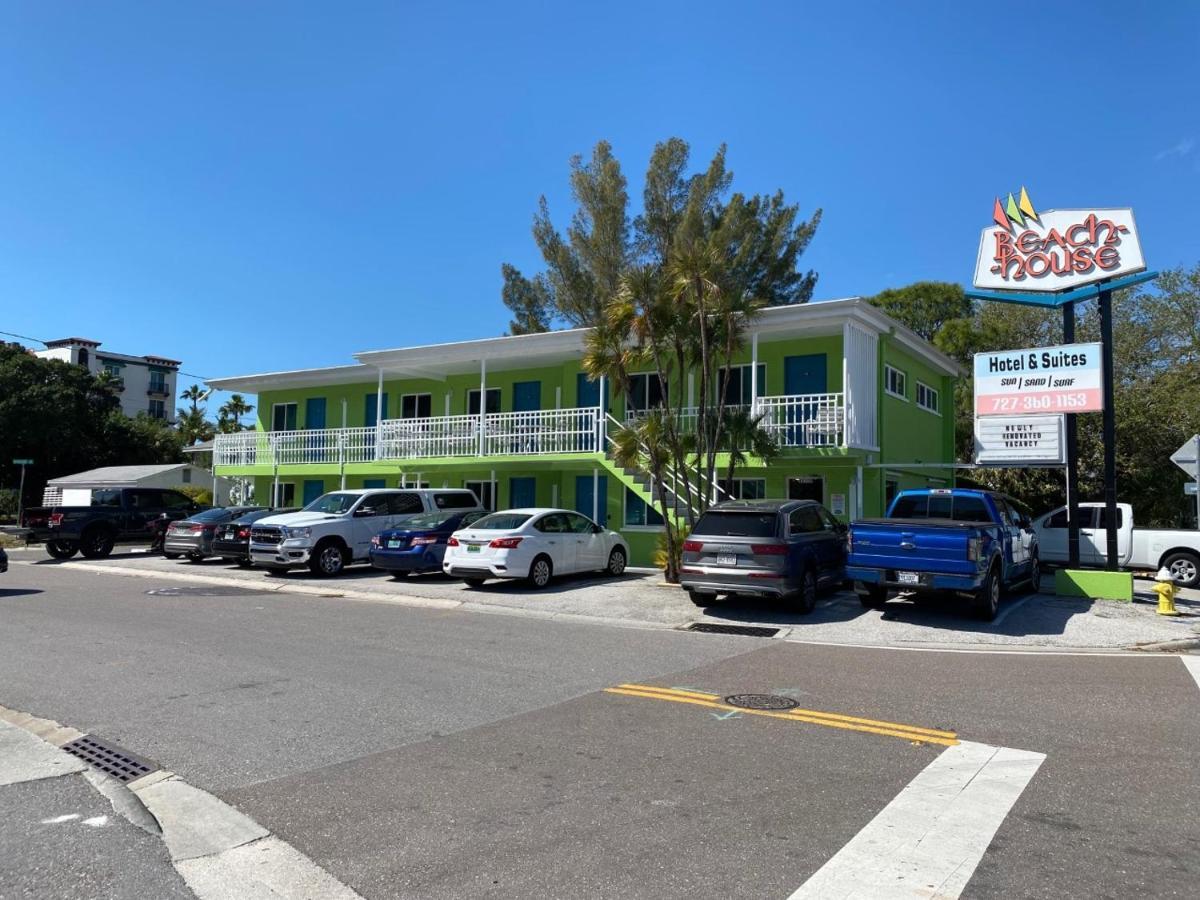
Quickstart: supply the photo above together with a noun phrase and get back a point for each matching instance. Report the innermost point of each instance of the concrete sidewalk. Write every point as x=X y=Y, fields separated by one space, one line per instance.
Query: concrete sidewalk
x=642 y=599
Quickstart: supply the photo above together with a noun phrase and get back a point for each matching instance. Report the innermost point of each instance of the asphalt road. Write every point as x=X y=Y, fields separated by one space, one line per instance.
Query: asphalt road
x=451 y=754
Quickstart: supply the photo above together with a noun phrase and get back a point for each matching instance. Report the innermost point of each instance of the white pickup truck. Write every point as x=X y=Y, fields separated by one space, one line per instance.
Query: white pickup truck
x=336 y=529
x=1137 y=548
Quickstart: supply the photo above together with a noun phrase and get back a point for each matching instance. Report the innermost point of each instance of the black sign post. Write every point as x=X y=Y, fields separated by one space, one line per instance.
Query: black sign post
x=1110 y=427
x=1072 y=448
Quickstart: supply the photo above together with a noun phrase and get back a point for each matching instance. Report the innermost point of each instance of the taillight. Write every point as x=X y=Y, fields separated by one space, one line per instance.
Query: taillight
x=692 y=546
x=453 y=542
x=374 y=540
x=768 y=549
x=55 y=519
x=505 y=543
x=973 y=549
x=243 y=532
x=849 y=541
x=423 y=541
x=196 y=529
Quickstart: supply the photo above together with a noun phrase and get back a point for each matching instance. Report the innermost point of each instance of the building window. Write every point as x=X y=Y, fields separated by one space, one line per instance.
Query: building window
x=736 y=382
x=112 y=369
x=746 y=488
x=646 y=392
x=157 y=409
x=285 y=495
x=895 y=382
x=283 y=416
x=891 y=487
x=416 y=406
x=158 y=381
x=640 y=514
x=927 y=398
x=493 y=402
x=483 y=490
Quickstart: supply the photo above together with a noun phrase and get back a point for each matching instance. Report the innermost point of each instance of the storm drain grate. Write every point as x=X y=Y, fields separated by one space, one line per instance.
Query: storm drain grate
x=761 y=701
x=109 y=758
x=745 y=630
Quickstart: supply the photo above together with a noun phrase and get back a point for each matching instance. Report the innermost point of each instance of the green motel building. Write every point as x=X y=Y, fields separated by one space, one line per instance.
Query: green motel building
x=860 y=406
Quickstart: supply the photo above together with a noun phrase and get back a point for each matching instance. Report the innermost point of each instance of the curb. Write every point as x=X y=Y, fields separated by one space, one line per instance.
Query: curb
x=219 y=852
x=1176 y=646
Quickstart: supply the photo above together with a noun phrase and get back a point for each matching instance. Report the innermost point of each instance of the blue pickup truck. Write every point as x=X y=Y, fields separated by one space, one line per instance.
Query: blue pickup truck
x=973 y=544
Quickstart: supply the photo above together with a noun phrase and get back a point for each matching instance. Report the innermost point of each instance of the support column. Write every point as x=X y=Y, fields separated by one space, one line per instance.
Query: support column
x=600 y=416
x=482 y=407
x=596 y=495
x=379 y=415
x=1110 y=430
x=1072 y=448
x=754 y=373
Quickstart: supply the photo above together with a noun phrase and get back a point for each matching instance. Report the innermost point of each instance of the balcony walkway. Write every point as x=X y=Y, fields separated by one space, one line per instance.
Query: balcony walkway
x=800 y=421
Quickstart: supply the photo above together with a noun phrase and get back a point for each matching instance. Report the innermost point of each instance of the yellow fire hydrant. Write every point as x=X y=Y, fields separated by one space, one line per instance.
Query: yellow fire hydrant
x=1165 y=588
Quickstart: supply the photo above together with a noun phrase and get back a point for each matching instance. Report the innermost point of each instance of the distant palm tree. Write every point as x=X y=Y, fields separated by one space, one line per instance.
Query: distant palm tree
x=194 y=394
x=231 y=413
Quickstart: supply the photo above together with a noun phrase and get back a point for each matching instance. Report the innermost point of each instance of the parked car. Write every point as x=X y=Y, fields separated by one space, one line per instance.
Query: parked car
x=970 y=543
x=232 y=540
x=1137 y=548
x=128 y=515
x=335 y=530
x=3 y=561
x=534 y=544
x=785 y=549
x=193 y=537
x=420 y=544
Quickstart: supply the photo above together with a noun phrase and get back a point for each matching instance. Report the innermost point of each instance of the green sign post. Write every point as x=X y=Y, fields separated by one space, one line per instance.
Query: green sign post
x=21 y=490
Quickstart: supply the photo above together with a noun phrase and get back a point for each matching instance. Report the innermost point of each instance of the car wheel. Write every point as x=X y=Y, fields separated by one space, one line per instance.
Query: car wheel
x=97 y=543
x=474 y=582
x=616 y=561
x=540 y=571
x=243 y=563
x=806 y=598
x=167 y=555
x=62 y=549
x=1035 y=575
x=401 y=576
x=195 y=557
x=327 y=560
x=871 y=596
x=701 y=599
x=1185 y=567
x=987 y=598
x=275 y=571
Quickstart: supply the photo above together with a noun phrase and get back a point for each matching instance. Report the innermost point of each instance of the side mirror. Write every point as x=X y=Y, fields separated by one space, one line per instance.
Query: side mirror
x=597 y=529
x=841 y=528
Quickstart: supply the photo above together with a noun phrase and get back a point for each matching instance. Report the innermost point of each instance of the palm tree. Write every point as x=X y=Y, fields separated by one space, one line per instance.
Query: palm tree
x=745 y=437
x=231 y=412
x=194 y=394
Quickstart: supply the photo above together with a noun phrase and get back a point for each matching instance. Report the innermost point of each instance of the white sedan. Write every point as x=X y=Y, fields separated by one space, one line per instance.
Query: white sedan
x=534 y=544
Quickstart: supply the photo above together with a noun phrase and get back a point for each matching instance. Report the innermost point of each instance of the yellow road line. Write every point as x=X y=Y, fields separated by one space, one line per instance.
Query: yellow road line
x=699 y=695
x=846 y=723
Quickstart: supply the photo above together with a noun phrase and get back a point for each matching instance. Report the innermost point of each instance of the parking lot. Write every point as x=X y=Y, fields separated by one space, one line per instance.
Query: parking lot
x=642 y=598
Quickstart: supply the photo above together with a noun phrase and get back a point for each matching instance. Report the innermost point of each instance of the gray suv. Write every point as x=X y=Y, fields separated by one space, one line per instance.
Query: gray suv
x=789 y=549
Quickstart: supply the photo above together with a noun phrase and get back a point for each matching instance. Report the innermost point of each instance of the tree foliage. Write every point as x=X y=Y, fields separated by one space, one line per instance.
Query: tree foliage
x=192 y=422
x=763 y=238
x=229 y=416
x=926 y=306
x=67 y=420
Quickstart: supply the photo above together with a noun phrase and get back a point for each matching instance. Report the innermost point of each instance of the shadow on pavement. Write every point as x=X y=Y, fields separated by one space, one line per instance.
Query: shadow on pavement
x=18 y=592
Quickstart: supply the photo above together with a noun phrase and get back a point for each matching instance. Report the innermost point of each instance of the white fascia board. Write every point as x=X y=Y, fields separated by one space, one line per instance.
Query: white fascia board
x=297 y=378
x=463 y=356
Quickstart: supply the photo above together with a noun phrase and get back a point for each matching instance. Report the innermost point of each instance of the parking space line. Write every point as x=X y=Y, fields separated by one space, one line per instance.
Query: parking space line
x=1192 y=664
x=812 y=717
x=929 y=839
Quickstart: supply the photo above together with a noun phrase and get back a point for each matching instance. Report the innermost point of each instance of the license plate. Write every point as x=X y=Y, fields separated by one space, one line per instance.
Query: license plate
x=473 y=548
x=393 y=545
x=229 y=532
x=726 y=559
x=908 y=578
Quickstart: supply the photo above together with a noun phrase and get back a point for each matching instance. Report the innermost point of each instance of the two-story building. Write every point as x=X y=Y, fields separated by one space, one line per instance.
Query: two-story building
x=145 y=384
x=859 y=405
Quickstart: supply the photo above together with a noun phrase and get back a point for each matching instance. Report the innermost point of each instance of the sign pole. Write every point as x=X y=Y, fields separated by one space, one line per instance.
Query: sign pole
x=1072 y=449
x=21 y=495
x=1197 y=458
x=1110 y=428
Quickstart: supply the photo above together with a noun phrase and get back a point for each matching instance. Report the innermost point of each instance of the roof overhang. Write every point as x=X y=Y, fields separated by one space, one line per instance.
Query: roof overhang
x=297 y=378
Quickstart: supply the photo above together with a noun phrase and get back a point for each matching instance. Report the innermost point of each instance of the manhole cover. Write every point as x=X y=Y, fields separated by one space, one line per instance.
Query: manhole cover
x=109 y=758
x=204 y=592
x=761 y=701
x=745 y=630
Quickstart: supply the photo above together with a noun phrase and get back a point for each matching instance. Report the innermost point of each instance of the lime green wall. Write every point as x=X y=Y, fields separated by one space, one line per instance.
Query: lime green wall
x=909 y=432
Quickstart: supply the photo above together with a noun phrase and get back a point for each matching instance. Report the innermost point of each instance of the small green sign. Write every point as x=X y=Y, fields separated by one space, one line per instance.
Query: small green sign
x=22 y=462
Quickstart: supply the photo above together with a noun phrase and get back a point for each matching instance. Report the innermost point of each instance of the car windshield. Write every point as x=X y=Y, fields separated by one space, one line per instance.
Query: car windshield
x=960 y=508
x=335 y=503
x=429 y=520
x=212 y=515
x=502 y=521
x=736 y=524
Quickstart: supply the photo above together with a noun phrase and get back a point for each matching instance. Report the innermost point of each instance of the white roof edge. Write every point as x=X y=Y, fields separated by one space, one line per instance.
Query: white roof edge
x=299 y=377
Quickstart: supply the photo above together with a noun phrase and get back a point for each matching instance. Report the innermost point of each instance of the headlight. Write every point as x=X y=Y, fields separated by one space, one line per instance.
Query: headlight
x=297 y=532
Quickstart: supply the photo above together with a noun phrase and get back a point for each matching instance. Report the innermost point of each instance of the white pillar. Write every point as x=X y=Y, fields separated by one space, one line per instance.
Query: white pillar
x=596 y=496
x=495 y=499
x=554 y=495
x=482 y=406
x=558 y=397
x=379 y=414
x=344 y=419
x=216 y=499
x=447 y=413
x=600 y=416
x=754 y=373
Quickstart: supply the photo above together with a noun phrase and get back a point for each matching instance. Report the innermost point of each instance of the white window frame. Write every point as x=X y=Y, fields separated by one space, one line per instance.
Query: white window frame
x=160 y=412
x=483 y=401
x=647 y=375
x=161 y=375
x=736 y=494
x=417 y=404
x=936 y=409
x=625 y=526
x=274 y=406
x=491 y=489
x=746 y=377
x=888 y=369
x=278 y=486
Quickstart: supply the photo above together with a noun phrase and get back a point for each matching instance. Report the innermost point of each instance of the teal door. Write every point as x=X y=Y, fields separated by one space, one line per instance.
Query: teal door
x=587 y=391
x=583 y=498
x=803 y=375
x=522 y=492
x=313 y=490
x=374 y=483
x=314 y=413
x=369 y=409
x=527 y=396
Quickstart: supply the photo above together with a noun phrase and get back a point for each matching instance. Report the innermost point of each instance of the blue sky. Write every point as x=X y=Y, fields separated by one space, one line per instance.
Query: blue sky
x=260 y=186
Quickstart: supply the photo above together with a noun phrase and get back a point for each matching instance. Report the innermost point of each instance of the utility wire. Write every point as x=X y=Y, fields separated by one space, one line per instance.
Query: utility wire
x=26 y=337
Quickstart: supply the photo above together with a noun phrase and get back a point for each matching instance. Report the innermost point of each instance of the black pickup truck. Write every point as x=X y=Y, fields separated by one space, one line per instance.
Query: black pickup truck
x=125 y=515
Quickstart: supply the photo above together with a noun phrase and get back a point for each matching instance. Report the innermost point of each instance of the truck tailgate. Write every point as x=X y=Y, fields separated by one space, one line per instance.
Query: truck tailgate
x=928 y=545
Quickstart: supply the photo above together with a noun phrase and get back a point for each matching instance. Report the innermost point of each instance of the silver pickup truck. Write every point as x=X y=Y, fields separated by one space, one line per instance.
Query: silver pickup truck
x=335 y=530
x=1137 y=548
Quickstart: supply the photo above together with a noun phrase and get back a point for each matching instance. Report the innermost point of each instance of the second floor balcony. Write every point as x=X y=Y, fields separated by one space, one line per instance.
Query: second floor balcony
x=799 y=421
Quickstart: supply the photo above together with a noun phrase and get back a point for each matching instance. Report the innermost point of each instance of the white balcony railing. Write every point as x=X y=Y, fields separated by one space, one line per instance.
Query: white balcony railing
x=804 y=420
x=800 y=420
